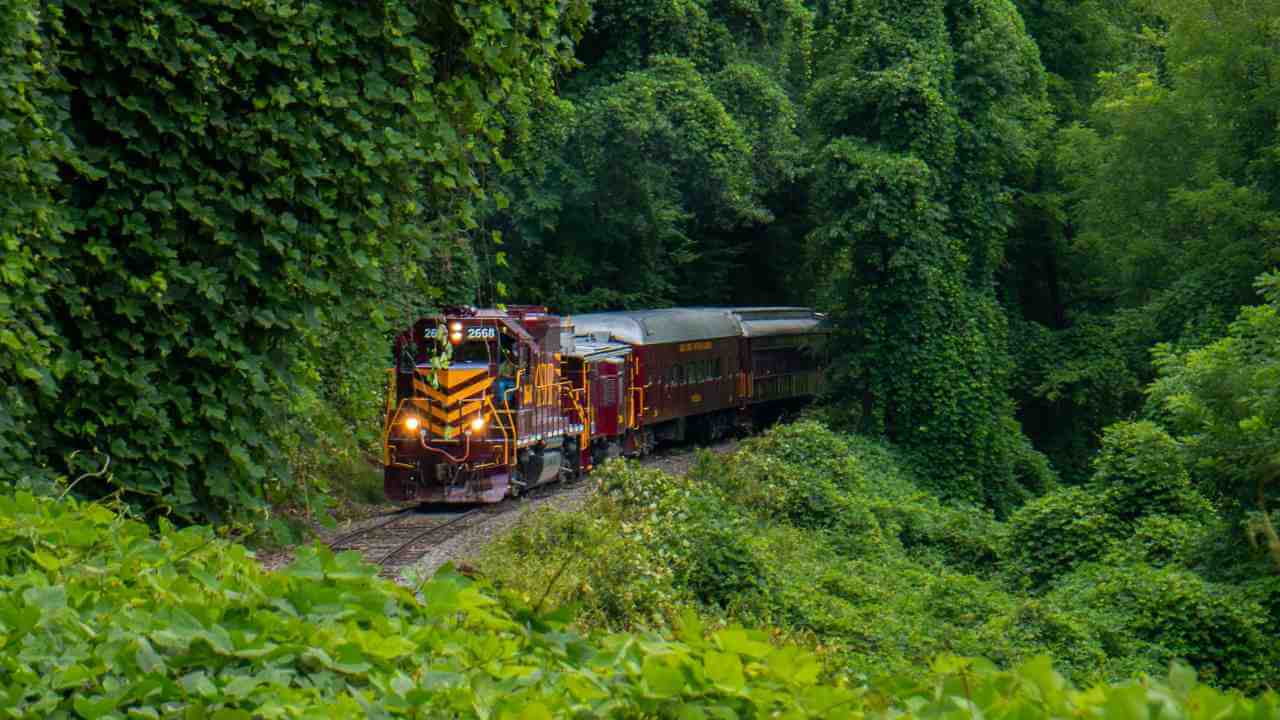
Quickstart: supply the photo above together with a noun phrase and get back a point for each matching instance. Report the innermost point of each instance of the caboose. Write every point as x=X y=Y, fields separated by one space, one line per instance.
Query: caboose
x=520 y=397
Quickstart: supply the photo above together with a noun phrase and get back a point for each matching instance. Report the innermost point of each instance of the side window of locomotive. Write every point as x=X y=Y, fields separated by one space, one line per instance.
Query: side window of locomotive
x=718 y=374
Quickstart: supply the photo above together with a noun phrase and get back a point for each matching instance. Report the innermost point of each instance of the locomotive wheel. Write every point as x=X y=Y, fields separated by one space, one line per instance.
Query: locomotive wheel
x=571 y=461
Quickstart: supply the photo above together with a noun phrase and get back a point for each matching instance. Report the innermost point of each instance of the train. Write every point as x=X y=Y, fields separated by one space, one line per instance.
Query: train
x=486 y=403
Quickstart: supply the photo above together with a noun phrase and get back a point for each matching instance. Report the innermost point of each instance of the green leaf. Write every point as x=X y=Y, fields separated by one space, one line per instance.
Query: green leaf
x=663 y=676
x=725 y=670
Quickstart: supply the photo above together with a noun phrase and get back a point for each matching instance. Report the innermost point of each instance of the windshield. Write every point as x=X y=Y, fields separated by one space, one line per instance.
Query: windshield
x=472 y=352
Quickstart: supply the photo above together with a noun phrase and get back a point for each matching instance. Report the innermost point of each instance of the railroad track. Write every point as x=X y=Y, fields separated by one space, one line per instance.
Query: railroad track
x=401 y=538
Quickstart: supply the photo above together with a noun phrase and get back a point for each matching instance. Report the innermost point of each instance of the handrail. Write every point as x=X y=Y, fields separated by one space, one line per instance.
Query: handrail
x=585 y=437
x=506 y=441
x=386 y=437
x=637 y=409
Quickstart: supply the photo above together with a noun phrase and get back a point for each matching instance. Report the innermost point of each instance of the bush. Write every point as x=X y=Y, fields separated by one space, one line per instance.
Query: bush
x=583 y=559
x=718 y=566
x=857 y=489
x=1164 y=540
x=1052 y=534
x=1138 y=475
x=1033 y=626
x=1165 y=614
x=1140 y=472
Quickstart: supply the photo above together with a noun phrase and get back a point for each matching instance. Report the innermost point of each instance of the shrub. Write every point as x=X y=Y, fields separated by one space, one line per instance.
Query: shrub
x=1052 y=534
x=1033 y=626
x=857 y=489
x=587 y=560
x=720 y=568
x=1169 y=613
x=1163 y=540
x=1140 y=472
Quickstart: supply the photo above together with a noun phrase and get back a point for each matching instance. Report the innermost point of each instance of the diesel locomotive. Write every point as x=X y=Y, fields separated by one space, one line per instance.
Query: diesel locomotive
x=486 y=403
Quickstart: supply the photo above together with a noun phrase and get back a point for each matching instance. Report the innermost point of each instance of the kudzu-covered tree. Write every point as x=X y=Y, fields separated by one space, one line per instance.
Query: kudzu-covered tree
x=927 y=117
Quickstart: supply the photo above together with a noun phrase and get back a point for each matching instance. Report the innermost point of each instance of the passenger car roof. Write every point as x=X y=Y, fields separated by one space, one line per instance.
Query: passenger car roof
x=652 y=327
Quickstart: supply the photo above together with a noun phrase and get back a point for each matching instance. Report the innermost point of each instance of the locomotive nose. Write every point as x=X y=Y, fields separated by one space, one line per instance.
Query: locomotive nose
x=456 y=400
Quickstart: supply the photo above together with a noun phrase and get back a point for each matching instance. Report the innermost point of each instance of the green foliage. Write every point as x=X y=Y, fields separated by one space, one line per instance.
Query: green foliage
x=32 y=227
x=826 y=537
x=1159 y=205
x=1077 y=40
x=187 y=624
x=830 y=539
x=1140 y=472
x=654 y=159
x=104 y=620
x=922 y=117
x=1167 y=613
x=1223 y=400
x=560 y=559
x=1139 y=502
x=650 y=181
x=1160 y=540
x=246 y=178
x=1210 y=107
x=1079 y=379
x=1052 y=534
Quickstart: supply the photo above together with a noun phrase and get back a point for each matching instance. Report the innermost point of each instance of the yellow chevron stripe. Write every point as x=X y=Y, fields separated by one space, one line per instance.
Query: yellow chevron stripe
x=450 y=378
x=453 y=383
x=471 y=391
x=440 y=424
x=466 y=393
x=467 y=411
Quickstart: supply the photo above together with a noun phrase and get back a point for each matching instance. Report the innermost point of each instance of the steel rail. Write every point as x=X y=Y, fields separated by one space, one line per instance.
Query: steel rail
x=345 y=537
x=427 y=532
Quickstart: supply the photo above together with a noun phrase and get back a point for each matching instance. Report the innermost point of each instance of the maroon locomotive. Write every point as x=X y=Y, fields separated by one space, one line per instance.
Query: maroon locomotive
x=523 y=397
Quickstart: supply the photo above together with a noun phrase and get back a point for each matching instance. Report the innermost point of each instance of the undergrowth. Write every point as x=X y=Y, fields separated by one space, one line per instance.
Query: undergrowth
x=831 y=540
x=104 y=618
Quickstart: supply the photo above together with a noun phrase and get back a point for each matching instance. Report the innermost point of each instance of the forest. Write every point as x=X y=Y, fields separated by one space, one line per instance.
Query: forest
x=1043 y=480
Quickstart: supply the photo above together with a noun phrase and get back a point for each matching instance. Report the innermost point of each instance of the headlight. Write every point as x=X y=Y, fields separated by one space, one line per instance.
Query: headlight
x=478 y=424
x=411 y=424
